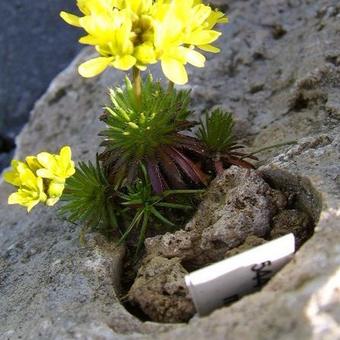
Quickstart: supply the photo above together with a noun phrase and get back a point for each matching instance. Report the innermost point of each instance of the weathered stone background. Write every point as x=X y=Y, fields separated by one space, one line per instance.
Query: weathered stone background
x=280 y=73
x=35 y=46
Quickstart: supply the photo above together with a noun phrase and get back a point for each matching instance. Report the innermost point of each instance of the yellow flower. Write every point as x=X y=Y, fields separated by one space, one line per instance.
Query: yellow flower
x=136 y=33
x=179 y=27
x=31 y=190
x=114 y=45
x=13 y=176
x=56 y=167
x=40 y=178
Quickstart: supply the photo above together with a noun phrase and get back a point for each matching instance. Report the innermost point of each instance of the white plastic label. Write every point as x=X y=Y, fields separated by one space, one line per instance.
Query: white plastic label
x=226 y=281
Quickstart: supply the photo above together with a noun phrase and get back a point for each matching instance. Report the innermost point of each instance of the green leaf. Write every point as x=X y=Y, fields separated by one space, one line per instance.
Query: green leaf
x=86 y=198
x=135 y=221
x=158 y=215
x=174 y=206
x=216 y=132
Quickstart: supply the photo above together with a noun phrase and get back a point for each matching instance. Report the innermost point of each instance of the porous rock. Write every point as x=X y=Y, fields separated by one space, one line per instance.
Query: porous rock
x=250 y=242
x=160 y=290
x=238 y=204
x=43 y=299
x=292 y=220
x=239 y=211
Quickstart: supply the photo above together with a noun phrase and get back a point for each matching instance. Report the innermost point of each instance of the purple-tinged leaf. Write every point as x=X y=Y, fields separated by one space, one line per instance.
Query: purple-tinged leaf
x=157 y=180
x=187 y=166
x=239 y=162
x=171 y=171
x=190 y=143
x=132 y=171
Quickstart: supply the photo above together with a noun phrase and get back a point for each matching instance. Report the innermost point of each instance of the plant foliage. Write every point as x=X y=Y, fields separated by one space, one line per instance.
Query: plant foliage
x=147 y=207
x=216 y=131
x=216 y=134
x=87 y=198
x=149 y=132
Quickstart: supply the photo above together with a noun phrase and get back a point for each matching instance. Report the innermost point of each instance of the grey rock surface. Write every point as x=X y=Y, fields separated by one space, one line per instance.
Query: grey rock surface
x=35 y=46
x=279 y=72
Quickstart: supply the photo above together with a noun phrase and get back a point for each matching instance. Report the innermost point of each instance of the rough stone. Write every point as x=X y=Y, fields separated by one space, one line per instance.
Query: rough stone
x=293 y=221
x=250 y=242
x=239 y=211
x=160 y=290
x=238 y=204
x=42 y=298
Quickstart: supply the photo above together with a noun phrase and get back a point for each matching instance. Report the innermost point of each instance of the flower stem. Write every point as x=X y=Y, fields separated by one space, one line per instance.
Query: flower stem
x=170 y=86
x=219 y=167
x=137 y=84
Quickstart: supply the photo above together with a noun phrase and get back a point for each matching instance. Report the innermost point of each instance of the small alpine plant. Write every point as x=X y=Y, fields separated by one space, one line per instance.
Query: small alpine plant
x=154 y=159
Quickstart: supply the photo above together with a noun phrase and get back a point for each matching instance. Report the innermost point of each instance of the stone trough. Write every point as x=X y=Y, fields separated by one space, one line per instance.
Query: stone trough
x=280 y=74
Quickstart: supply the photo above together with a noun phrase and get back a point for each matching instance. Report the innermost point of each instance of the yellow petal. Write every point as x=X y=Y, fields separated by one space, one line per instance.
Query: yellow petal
x=44 y=173
x=202 y=37
x=193 y=57
x=93 y=67
x=89 y=40
x=82 y=5
x=122 y=38
x=40 y=186
x=31 y=205
x=175 y=71
x=66 y=160
x=99 y=26
x=124 y=63
x=201 y=13
x=55 y=190
x=23 y=199
x=12 y=177
x=33 y=163
x=70 y=19
x=141 y=67
x=118 y=3
x=15 y=198
x=66 y=153
x=46 y=160
x=209 y=48
x=52 y=201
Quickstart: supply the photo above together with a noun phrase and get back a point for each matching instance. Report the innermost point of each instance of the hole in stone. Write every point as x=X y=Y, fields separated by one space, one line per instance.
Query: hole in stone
x=278 y=31
x=299 y=102
x=255 y=207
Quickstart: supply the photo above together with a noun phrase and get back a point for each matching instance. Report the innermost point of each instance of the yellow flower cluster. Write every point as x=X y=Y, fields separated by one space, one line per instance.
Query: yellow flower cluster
x=128 y=33
x=40 y=178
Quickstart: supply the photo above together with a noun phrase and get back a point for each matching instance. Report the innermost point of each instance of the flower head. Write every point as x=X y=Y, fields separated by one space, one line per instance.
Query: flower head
x=136 y=33
x=31 y=190
x=40 y=178
x=56 y=167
